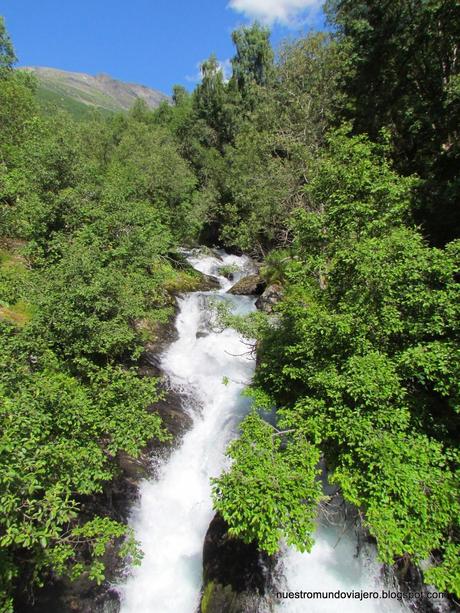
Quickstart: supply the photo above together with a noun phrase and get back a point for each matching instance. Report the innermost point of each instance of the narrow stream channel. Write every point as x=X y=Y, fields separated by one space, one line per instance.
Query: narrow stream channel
x=175 y=508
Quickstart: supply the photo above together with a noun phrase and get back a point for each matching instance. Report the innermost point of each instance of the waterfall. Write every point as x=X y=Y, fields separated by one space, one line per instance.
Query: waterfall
x=174 y=509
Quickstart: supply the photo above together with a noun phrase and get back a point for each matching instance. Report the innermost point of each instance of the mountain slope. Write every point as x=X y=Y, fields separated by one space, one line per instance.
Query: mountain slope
x=79 y=92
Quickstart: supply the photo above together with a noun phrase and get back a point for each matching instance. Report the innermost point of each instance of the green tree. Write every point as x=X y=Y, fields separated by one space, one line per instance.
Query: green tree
x=253 y=62
x=307 y=90
x=209 y=99
x=268 y=492
x=180 y=94
x=403 y=73
x=7 y=55
x=59 y=438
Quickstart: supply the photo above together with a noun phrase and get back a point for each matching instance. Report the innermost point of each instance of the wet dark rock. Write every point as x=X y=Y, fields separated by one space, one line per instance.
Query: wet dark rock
x=252 y=285
x=237 y=577
x=161 y=336
x=82 y=596
x=207 y=283
x=269 y=298
x=409 y=578
x=233 y=250
x=171 y=410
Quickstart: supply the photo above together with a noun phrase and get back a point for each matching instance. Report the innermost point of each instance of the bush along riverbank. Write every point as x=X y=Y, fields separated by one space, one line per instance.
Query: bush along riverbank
x=361 y=374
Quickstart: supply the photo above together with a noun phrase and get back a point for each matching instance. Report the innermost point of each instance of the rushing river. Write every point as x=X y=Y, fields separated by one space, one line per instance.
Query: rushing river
x=212 y=367
x=175 y=509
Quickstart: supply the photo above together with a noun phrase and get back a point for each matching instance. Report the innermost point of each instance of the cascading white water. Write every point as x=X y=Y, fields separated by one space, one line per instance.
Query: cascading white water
x=338 y=563
x=175 y=509
x=334 y=565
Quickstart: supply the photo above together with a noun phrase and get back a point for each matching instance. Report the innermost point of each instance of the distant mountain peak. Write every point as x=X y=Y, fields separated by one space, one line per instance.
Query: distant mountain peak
x=101 y=91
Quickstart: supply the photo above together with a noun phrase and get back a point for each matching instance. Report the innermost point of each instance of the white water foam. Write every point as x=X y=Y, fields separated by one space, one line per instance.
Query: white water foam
x=175 y=510
x=334 y=565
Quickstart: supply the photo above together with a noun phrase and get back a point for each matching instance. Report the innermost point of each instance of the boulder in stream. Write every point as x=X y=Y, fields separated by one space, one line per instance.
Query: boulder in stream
x=237 y=577
x=269 y=298
x=248 y=286
x=207 y=282
x=202 y=281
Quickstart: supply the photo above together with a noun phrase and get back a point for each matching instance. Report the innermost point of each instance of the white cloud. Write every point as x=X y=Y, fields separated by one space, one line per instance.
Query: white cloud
x=225 y=67
x=286 y=12
x=196 y=76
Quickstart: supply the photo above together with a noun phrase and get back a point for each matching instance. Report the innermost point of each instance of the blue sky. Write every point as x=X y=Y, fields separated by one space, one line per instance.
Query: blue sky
x=153 y=42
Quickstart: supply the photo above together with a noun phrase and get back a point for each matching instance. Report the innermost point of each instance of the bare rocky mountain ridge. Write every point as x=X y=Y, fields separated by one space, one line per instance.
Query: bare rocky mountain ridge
x=100 y=91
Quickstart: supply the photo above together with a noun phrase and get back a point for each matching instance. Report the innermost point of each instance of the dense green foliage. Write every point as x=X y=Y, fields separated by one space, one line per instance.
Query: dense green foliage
x=7 y=56
x=336 y=163
x=275 y=487
x=364 y=358
x=403 y=74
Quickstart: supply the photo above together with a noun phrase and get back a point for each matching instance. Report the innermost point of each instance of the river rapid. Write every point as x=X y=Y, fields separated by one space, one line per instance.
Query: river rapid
x=210 y=368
